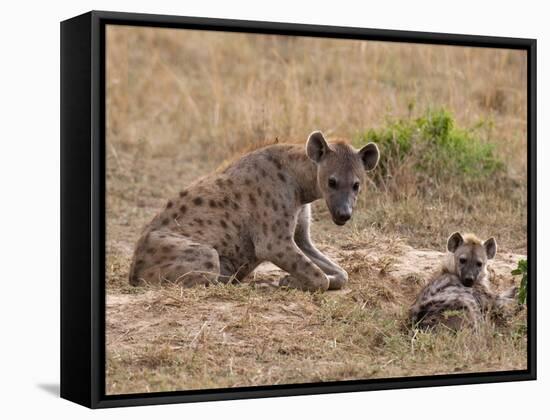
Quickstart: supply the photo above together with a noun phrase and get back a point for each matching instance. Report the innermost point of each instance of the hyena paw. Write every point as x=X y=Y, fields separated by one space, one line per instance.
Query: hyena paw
x=289 y=281
x=337 y=281
x=305 y=285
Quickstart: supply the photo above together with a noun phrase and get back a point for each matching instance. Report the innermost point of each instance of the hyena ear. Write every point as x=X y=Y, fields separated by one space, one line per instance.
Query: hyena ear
x=490 y=246
x=454 y=241
x=316 y=146
x=369 y=155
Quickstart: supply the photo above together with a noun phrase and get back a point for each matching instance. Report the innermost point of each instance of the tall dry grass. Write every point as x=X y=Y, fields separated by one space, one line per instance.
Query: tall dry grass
x=174 y=88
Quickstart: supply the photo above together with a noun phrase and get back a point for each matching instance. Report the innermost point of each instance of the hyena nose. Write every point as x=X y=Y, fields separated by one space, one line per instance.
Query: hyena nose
x=343 y=215
x=468 y=281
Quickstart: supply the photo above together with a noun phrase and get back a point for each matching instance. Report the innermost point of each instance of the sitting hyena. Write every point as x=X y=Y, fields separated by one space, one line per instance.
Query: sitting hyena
x=224 y=225
x=462 y=284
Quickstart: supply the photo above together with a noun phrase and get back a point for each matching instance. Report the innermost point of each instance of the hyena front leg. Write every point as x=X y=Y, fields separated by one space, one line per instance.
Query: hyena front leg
x=336 y=274
x=303 y=273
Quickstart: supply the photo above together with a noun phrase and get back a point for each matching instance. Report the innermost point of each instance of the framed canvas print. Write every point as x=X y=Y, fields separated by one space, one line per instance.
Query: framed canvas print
x=254 y=209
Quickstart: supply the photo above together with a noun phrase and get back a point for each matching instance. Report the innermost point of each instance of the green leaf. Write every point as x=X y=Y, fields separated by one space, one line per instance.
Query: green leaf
x=522 y=270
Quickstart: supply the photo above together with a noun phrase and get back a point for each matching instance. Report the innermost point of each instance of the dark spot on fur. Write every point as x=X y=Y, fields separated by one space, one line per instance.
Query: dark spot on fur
x=235 y=206
x=227 y=236
x=237 y=196
x=226 y=200
x=183 y=208
x=252 y=199
x=275 y=205
x=294 y=266
x=166 y=249
x=209 y=222
x=237 y=248
x=247 y=182
x=199 y=221
x=212 y=203
x=165 y=221
x=274 y=227
x=223 y=224
x=279 y=255
x=269 y=246
x=263 y=172
x=277 y=164
x=288 y=248
x=188 y=251
x=224 y=243
x=183 y=194
x=197 y=201
x=229 y=182
x=169 y=205
x=208 y=265
x=219 y=182
x=235 y=224
x=259 y=191
x=281 y=176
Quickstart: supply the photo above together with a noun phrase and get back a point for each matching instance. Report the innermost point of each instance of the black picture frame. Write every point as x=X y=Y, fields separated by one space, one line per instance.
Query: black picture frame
x=83 y=207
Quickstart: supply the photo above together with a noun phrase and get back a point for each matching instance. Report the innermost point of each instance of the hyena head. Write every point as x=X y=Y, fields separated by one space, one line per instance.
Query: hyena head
x=340 y=173
x=470 y=257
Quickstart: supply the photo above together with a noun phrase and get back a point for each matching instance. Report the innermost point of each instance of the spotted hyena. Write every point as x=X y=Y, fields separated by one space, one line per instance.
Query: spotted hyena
x=224 y=225
x=462 y=284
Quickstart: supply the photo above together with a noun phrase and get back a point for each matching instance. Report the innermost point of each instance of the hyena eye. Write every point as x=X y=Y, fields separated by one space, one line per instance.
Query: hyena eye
x=479 y=263
x=356 y=186
x=332 y=183
x=462 y=260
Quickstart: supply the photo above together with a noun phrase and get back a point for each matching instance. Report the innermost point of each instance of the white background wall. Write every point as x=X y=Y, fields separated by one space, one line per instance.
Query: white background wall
x=29 y=206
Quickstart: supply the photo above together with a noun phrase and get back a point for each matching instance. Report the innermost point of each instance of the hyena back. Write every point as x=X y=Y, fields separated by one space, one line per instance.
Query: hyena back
x=257 y=209
x=462 y=284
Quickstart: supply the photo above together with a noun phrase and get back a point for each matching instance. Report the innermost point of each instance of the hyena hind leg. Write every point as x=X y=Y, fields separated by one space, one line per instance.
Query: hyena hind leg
x=166 y=257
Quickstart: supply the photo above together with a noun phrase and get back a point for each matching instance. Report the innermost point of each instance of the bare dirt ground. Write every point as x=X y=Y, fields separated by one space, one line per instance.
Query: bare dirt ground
x=179 y=104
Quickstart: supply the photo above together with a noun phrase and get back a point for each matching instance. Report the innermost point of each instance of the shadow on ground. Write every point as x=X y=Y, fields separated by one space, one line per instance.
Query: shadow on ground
x=52 y=389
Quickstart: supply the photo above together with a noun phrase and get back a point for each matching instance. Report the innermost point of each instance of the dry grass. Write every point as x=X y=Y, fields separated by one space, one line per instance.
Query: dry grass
x=180 y=103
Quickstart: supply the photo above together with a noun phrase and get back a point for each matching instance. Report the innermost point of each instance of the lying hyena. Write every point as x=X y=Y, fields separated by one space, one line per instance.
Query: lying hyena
x=224 y=225
x=462 y=284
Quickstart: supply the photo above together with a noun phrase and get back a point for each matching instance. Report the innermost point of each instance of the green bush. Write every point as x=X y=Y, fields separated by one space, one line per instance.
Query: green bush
x=521 y=270
x=430 y=151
